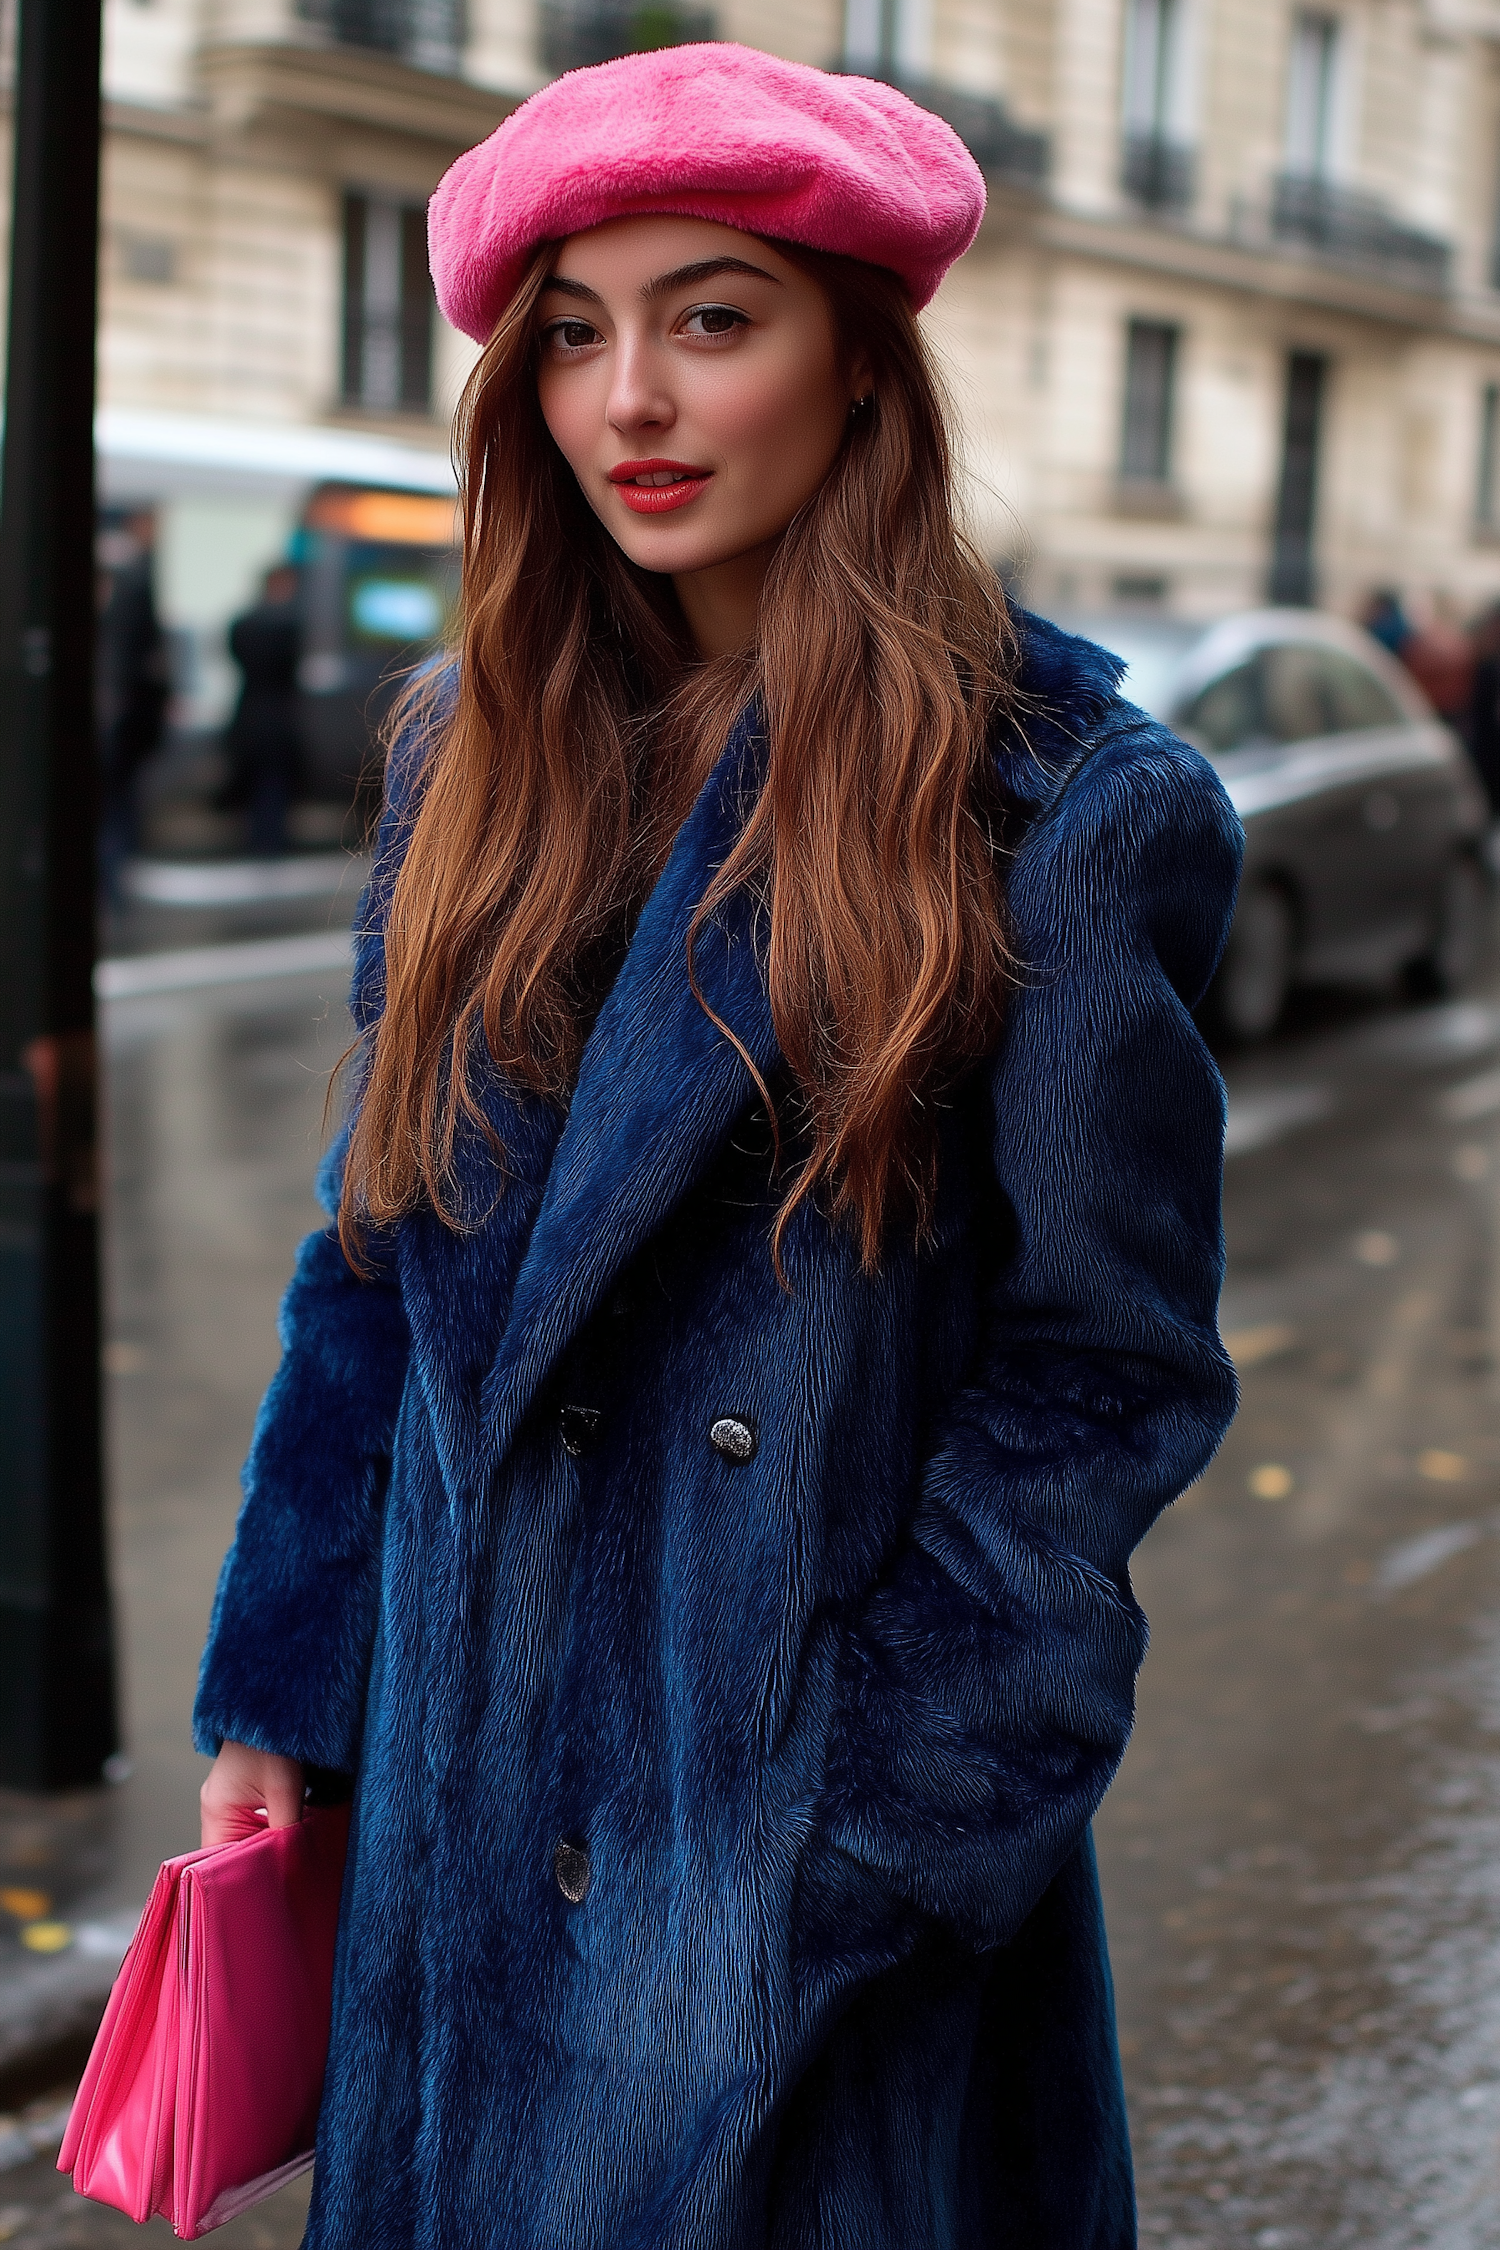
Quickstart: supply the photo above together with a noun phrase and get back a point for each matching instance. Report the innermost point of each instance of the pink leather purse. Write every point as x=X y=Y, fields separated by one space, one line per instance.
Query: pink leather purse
x=201 y=2094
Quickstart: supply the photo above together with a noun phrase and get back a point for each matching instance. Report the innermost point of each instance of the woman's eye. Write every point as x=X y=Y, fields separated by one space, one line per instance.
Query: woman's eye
x=572 y=335
x=713 y=320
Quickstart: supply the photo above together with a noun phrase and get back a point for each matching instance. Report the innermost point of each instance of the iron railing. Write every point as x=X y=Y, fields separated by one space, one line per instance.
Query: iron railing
x=1158 y=173
x=427 y=33
x=1356 y=229
x=575 y=33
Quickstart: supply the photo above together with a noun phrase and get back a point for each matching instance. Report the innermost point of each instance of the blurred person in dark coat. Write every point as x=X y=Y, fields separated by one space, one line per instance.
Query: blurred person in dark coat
x=1385 y=620
x=1484 y=708
x=1438 y=654
x=132 y=683
x=1440 y=658
x=264 y=737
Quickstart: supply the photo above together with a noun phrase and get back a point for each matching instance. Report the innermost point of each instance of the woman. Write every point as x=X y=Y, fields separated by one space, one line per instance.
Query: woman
x=776 y=1258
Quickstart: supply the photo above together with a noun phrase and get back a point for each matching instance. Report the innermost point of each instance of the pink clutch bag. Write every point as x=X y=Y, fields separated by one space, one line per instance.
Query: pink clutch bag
x=201 y=2094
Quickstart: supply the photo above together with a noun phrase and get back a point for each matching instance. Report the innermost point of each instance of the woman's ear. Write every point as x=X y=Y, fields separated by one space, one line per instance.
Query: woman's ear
x=861 y=377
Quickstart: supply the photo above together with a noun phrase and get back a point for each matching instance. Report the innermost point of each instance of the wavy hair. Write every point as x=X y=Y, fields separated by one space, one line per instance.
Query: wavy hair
x=583 y=727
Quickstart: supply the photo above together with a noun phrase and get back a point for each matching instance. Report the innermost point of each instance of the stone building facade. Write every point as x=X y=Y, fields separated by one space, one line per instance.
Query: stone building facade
x=1244 y=336
x=1231 y=328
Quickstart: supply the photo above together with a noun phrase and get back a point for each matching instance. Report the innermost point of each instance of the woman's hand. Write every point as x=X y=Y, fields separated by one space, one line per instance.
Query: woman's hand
x=241 y=1784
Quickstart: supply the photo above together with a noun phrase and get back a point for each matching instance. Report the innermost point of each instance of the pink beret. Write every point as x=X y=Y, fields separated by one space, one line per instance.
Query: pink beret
x=707 y=132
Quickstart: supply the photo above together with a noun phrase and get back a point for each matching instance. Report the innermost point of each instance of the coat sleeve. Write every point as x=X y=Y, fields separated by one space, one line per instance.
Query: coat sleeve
x=986 y=1684
x=293 y=1623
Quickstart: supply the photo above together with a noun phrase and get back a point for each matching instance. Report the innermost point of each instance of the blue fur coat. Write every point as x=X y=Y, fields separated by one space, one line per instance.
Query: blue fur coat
x=730 y=1674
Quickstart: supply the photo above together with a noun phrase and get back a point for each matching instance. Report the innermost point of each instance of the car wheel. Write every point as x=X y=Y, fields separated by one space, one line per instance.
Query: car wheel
x=1460 y=929
x=1247 y=996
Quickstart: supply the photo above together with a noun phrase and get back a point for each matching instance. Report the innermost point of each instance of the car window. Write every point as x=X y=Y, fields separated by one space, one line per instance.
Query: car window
x=1311 y=691
x=1227 y=712
x=1362 y=700
x=1301 y=691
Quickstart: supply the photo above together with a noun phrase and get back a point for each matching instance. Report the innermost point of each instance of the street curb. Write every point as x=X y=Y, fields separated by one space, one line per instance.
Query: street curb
x=58 y=2001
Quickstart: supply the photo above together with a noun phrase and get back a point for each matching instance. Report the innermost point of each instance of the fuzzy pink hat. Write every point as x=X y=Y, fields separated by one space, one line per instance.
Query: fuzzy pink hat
x=707 y=132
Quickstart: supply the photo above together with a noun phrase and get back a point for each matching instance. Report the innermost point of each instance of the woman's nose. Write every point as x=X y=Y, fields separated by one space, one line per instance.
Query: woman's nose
x=638 y=400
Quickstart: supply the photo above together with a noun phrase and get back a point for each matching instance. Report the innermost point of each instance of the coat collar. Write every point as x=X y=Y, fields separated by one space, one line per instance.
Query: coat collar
x=1064 y=688
x=658 y=1087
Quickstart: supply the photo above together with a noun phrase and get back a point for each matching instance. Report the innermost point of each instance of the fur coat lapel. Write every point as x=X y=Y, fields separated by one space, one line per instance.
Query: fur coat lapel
x=657 y=1089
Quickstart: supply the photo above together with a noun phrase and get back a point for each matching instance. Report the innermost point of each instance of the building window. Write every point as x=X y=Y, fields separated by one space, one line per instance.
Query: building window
x=1486 y=494
x=1292 y=573
x=1310 y=205
x=1150 y=377
x=888 y=38
x=573 y=34
x=387 y=306
x=1311 y=96
x=892 y=40
x=1158 y=163
x=426 y=33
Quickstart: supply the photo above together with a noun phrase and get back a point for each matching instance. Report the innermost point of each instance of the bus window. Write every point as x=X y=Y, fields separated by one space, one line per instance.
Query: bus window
x=379 y=581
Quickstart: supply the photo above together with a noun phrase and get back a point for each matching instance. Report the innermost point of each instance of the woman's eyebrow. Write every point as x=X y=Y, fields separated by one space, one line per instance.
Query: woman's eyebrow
x=688 y=277
x=681 y=277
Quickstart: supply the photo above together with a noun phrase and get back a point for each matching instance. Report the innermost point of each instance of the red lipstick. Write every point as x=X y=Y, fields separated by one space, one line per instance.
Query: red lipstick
x=652 y=488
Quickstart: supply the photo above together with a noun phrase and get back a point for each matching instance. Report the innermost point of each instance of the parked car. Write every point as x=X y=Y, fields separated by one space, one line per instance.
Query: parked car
x=1365 y=824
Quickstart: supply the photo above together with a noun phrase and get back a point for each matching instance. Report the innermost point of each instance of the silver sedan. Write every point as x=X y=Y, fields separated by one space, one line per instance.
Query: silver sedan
x=1365 y=824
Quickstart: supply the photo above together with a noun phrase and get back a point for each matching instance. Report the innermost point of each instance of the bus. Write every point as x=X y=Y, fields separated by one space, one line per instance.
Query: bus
x=368 y=524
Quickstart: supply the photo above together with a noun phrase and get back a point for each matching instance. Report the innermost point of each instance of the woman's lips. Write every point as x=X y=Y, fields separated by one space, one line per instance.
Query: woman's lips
x=652 y=488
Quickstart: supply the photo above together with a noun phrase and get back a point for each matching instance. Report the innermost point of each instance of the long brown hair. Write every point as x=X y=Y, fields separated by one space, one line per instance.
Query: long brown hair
x=583 y=727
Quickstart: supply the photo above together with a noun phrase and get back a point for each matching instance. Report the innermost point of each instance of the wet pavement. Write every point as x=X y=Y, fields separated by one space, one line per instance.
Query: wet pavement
x=1302 y=1854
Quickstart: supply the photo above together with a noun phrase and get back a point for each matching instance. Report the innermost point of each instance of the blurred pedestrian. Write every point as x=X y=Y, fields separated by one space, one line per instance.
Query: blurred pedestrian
x=1385 y=619
x=131 y=682
x=775 y=1265
x=264 y=738
x=1440 y=658
x=1484 y=707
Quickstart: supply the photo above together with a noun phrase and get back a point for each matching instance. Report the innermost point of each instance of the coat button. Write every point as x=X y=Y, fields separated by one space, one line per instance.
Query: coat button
x=734 y=1437
x=579 y=1428
x=570 y=1865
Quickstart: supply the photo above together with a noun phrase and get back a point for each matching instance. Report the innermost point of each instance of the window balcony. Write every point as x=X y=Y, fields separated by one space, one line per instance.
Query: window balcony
x=429 y=34
x=575 y=33
x=1358 y=230
x=1001 y=148
x=1159 y=174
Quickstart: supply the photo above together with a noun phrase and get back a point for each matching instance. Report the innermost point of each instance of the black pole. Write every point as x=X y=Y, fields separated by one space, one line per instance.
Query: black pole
x=57 y=1700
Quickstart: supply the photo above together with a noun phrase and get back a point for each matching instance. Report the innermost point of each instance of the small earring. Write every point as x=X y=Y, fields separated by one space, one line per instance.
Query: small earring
x=859 y=404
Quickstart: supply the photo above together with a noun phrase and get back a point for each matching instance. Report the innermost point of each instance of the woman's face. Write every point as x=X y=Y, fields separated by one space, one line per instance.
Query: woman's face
x=692 y=380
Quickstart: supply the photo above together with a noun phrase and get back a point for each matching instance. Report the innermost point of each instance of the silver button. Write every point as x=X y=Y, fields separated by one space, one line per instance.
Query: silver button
x=734 y=1438
x=570 y=1865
